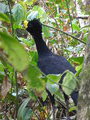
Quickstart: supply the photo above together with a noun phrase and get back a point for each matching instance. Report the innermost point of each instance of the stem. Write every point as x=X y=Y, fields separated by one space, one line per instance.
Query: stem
x=17 y=100
x=69 y=14
x=65 y=33
x=11 y=19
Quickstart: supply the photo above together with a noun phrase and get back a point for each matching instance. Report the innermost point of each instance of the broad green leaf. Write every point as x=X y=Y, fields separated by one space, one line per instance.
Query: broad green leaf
x=16 y=55
x=23 y=112
x=18 y=13
x=78 y=60
x=37 y=12
x=3 y=7
x=53 y=88
x=35 y=78
x=32 y=15
x=78 y=69
x=4 y=17
x=69 y=83
x=41 y=12
x=76 y=27
x=59 y=95
x=52 y=81
x=52 y=78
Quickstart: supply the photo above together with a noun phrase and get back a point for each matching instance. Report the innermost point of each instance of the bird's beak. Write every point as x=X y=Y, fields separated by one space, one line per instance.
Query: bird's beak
x=25 y=23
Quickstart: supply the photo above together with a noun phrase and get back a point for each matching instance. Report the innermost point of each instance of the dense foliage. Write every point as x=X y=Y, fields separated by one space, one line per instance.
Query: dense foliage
x=21 y=81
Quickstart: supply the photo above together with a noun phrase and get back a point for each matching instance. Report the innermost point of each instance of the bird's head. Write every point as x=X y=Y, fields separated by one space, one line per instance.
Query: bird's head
x=34 y=27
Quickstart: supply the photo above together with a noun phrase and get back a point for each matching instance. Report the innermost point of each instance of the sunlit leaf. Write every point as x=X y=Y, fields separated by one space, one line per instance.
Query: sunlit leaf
x=52 y=83
x=69 y=83
x=53 y=78
x=44 y=95
x=41 y=12
x=18 y=13
x=72 y=109
x=35 y=78
x=32 y=15
x=76 y=27
x=4 y=17
x=53 y=88
x=78 y=60
x=16 y=55
x=3 y=7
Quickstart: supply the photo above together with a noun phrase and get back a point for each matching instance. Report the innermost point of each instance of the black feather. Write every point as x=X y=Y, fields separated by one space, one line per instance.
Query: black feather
x=48 y=62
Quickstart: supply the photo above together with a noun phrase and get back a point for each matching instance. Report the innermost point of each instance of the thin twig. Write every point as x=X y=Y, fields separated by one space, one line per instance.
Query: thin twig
x=11 y=19
x=65 y=33
x=69 y=14
x=17 y=99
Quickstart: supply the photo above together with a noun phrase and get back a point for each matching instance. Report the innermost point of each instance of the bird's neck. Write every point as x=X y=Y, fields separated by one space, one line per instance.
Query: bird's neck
x=41 y=45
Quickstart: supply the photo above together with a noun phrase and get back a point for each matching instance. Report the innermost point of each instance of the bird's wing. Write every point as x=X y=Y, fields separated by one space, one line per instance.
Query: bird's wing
x=54 y=65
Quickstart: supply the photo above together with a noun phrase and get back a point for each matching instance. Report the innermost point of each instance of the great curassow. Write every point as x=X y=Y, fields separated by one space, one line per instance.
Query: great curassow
x=48 y=62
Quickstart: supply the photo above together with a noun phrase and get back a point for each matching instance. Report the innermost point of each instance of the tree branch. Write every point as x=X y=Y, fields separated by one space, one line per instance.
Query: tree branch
x=65 y=33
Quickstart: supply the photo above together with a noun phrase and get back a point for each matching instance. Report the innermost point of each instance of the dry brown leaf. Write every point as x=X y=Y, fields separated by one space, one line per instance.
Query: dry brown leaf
x=5 y=87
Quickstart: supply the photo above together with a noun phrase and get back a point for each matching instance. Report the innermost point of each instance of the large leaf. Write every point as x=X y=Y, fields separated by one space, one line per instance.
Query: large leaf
x=24 y=113
x=35 y=78
x=37 y=12
x=52 y=83
x=3 y=8
x=76 y=27
x=53 y=88
x=69 y=83
x=41 y=12
x=18 y=13
x=16 y=55
x=4 y=17
x=53 y=78
x=32 y=15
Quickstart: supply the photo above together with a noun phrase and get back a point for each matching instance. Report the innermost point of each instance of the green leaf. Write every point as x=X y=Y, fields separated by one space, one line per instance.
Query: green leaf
x=16 y=55
x=23 y=112
x=46 y=31
x=53 y=88
x=35 y=78
x=3 y=7
x=78 y=69
x=44 y=95
x=18 y=13
x=41 y=12
x=52 y=81
x=78 y=60
x=32 y=15
x=73 y=108
x=59 y=95
x=52 y=78
x=76 y=27
x=69 y=83
x=4 y=17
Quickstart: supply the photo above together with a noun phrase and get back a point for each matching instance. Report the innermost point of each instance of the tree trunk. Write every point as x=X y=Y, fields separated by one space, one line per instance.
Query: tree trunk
x=84 y=93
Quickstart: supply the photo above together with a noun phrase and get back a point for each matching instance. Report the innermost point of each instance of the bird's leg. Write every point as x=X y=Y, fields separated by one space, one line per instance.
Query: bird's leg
x=53 y=110
x=67 y=105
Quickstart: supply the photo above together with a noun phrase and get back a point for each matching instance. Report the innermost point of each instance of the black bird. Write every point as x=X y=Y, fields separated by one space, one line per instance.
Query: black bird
x=48 y=62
